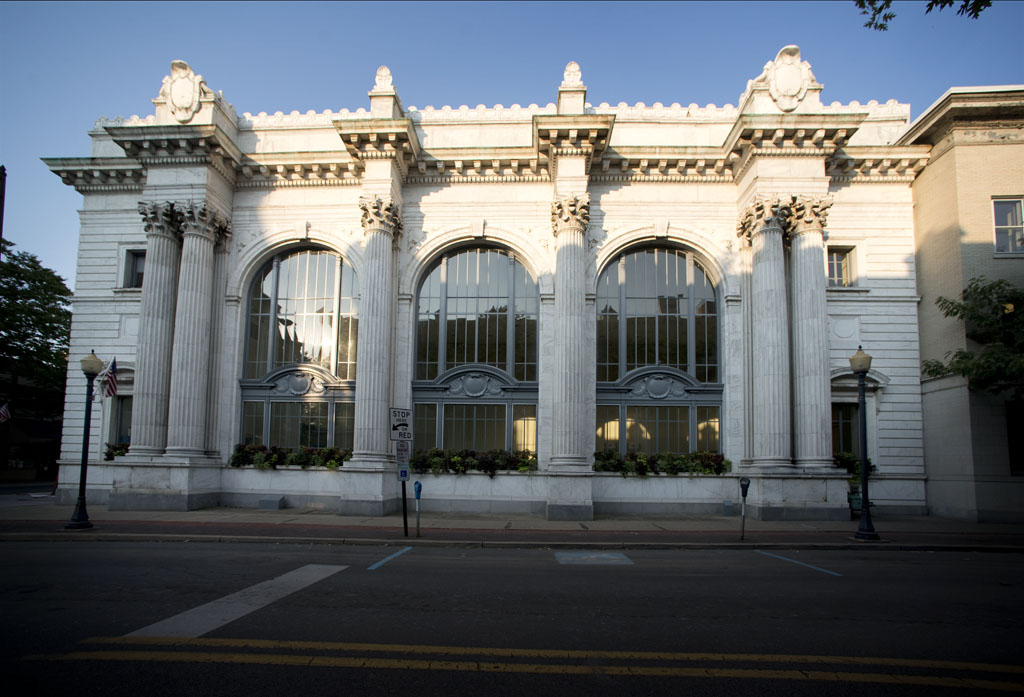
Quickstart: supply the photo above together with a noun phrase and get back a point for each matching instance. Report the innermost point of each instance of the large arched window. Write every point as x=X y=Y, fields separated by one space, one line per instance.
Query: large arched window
x=658 y=386
x=476 y=353
x=298 y=383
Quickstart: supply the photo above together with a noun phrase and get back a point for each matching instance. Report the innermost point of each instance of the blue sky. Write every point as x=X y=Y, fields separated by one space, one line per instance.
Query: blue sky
x=65 y=65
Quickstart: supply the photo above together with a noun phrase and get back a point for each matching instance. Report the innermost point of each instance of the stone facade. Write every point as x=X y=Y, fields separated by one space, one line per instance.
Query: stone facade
x=746 y=205
x=977 y=160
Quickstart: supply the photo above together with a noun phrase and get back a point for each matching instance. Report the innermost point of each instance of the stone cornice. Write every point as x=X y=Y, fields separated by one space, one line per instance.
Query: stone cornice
x=377 y=139
x=156 y=146
x=669 y=165
x=91 y=174
x=879 y=164
x=979 y=105
x=584 y=135
x=295 y=169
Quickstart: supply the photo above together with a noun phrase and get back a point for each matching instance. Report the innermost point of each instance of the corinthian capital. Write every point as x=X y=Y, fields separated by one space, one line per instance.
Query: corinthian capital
x=810 y=213
x=159 y=218
x=765 y=212
x=571 y=212
x=204 y=220
x=380 y=214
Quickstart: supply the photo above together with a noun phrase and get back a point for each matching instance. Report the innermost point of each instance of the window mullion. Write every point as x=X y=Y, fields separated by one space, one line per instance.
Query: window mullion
x=442 y=331
x=336 y=319
x=273 y=314
x=512 y=345
x=691 y=320
x=620 y=275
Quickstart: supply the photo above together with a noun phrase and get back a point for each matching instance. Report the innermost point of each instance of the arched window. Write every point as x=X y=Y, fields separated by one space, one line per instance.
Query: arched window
x=298 y=385
x=476 y=353
x=658 y=378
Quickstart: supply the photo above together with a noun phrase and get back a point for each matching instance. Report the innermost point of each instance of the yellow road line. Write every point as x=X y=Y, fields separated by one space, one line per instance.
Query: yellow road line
x=555 y=653
x=534 y=668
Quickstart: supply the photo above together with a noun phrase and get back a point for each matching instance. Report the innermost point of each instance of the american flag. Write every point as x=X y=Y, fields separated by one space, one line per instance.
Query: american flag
x=5 y=412
x=111 y=390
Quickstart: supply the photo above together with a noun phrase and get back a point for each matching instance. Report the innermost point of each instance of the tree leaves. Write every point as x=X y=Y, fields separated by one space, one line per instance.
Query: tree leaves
x=993 y=316
x=35 y=320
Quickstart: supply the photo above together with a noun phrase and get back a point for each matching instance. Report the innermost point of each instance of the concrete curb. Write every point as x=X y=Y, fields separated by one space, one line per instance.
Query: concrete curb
x=85 y=536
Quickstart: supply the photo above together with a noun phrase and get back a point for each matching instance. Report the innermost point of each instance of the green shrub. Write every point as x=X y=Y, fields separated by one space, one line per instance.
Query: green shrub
x=115 y=449
x=437 y=461
x=641 y=464
x=264 y=458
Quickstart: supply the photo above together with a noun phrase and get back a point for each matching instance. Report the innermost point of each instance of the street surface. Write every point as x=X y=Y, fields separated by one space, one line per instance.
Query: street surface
x=125 y=618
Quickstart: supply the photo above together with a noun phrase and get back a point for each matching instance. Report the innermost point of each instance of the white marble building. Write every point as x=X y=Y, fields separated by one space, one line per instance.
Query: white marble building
x=562 y=278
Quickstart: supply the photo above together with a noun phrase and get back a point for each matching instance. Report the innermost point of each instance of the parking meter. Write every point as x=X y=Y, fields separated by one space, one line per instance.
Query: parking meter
x=417 y=490
x=744 y=485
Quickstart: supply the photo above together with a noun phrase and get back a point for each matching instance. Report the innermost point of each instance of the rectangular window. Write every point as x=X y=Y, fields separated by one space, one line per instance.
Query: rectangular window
x=298 y=424
x=344 y=424
x=839 y=272
x=845 y=429
x=123 y=428
x=658 y=429
x=474 y=426
x=252 y=423
x=1009 y=225
x=134 y=268
x=424 y=426
x=524 y=427
x=708 y=428
x=607 y=428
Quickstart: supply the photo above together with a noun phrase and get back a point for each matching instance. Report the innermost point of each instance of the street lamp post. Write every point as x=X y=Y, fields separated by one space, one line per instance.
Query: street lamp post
x=860 y=363
x=91 y=366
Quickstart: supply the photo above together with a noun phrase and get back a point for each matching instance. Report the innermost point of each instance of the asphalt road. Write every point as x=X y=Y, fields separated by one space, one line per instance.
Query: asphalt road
x=231 y=619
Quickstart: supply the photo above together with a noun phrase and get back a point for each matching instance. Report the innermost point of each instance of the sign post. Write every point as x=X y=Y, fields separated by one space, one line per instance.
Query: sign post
x=401 y=431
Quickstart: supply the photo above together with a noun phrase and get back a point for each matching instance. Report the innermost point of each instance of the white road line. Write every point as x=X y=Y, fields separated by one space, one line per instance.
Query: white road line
x=385 y=560
x=205 y=618
x=794 y=561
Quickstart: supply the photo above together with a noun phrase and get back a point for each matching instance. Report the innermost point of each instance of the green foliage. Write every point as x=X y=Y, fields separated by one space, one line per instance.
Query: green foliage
x=35 y=326
x=993 y=315
x=437 y=461
x=851 y=463
x=641 y=465
x=114 y=450
x=879 y=12
x=264 y=458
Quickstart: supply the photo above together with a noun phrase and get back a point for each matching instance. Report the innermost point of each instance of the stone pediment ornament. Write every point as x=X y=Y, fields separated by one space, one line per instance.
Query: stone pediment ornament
x=298 y=383
x=659 y=386
x=475 y=385
x=383 y=79
x=788 y=78
x=573 y=76
x=182 y=90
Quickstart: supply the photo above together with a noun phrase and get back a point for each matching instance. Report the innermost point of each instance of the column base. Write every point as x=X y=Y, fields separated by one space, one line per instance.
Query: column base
x=145 y=451
x=570 y=490
x=371 y=461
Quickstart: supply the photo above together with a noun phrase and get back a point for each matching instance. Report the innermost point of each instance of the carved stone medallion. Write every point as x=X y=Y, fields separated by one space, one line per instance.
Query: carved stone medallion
x=475 y=385
x=298 y=384
x=659 y=386
x=789 y=78
x=182 y=90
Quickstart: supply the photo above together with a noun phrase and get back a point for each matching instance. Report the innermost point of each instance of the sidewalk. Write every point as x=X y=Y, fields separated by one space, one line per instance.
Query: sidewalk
x=35 y=517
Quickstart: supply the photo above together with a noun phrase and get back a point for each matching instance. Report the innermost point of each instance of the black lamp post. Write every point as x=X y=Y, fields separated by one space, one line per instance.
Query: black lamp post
x=91 y=366
x=860 y=364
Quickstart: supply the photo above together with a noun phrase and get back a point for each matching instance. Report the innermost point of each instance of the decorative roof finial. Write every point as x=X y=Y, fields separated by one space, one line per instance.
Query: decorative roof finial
x=573 y=77
x=383 y=80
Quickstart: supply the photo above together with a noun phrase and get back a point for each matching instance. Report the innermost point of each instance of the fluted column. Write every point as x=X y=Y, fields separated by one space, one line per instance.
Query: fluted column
x=766 y=222
x=382 y=223
x=156 y=329
x=190 y=363
x=569 y=219
x=812 y=416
